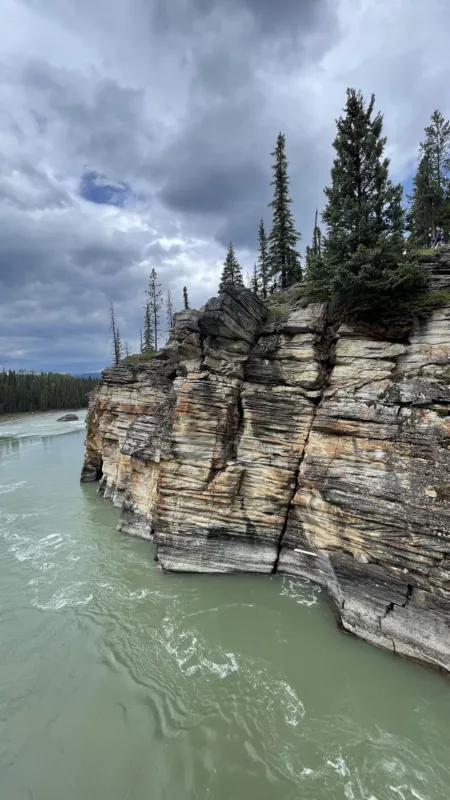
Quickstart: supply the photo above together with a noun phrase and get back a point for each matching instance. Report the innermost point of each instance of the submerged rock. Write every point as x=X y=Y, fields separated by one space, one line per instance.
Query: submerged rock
x=68 y=418
x=268 y=440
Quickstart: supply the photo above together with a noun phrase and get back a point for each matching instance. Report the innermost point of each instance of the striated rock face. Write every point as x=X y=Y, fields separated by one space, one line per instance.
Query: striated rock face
x=272 y=441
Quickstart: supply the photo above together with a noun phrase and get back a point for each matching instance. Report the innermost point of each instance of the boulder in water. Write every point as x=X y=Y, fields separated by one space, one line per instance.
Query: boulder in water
x=68 y=418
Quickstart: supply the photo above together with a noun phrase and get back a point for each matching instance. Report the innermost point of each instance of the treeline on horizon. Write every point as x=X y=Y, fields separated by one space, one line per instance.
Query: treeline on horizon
x=365 y=258
x=43 y=391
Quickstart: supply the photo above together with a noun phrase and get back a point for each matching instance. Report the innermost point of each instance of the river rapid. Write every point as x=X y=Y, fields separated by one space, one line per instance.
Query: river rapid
x=120 y=682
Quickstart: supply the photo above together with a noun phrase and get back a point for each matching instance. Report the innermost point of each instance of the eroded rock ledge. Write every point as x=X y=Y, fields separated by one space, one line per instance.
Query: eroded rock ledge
x=273 y=441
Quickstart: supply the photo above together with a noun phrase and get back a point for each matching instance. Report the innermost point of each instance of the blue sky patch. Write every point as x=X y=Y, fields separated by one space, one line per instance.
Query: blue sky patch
x=98 y=189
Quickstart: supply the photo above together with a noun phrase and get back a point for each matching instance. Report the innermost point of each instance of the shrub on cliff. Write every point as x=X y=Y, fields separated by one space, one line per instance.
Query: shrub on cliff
x=363 y=265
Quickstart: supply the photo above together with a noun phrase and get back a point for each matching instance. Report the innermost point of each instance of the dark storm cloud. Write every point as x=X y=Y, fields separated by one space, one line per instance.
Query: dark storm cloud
x=219 y=165
x=211 y=190
x=137 y=134
x=49 y=247
x=99 y=121
x=269 y=16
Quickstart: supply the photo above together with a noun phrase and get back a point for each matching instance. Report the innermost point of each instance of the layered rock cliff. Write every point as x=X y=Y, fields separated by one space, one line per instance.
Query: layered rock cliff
x=271 y=439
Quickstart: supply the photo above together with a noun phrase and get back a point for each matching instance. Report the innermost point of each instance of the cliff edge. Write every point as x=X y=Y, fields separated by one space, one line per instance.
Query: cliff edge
x=269 y=438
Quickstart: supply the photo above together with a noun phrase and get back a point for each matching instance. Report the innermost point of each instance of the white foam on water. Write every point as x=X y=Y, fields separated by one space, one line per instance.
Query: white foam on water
x=40 y=581
x=215 y=668
x=24 y=548
x=69 y=596
x=44 y=424
x=6 y=488
x=294 y=710
x=40 y=551
x=301 y=590
x=218 y=609
x=393 y=767
x=7 y=518
x=339 y=766
x=405 y=792
x=189 y=654
x=139 y=594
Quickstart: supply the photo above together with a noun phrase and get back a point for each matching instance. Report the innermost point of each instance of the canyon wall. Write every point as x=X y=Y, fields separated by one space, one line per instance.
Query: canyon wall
x=269 y=438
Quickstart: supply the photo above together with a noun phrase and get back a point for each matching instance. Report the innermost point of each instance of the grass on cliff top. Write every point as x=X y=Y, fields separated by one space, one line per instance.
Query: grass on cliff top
x=280 y=303
x=139 y=358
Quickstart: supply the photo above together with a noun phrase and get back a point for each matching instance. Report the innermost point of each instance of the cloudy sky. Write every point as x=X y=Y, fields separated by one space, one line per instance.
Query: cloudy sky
x=137 y=134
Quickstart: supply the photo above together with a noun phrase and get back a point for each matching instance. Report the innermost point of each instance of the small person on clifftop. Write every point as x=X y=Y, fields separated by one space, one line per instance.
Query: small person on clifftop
x=439 y=237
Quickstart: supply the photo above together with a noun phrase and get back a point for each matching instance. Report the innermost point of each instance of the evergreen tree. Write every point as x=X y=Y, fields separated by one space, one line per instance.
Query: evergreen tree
x=430 y=198
x=141 y=341
x=148 y=342
x=24 y=391
x=422 y=212
x=115 y=334
x=127 y=349
x=118 y=349
x=314 y=252
x=169 y=310
x=231 y=273
x=254 y=283
x=185 y=298
x=283 y=238
x=155 y=303
x=263 y=260
x=437 y=149
x=363 y=265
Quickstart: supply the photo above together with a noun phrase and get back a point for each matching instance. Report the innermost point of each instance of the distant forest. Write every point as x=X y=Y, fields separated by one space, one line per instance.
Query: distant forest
x=43 y=391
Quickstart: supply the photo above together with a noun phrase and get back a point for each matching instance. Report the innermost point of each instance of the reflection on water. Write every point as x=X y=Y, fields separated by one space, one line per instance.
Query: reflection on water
x=117 y=681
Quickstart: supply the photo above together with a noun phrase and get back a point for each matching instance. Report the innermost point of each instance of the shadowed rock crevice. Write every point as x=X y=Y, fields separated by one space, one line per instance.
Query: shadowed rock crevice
x=323 y=350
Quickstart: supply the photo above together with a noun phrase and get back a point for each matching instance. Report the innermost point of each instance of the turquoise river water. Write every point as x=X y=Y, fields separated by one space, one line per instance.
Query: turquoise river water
x=120 y=682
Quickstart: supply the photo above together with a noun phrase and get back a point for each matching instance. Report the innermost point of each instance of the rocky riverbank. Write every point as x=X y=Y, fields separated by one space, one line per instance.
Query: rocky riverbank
x=269 y=438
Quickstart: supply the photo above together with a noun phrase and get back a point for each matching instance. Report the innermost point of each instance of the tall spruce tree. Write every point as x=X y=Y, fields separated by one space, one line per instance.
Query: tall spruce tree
x=284 y=259
x=231 y=272
x=185 y=298
x=437 y=148
x=169 y=310
x=115 y=334
x=430 y=198
x=254 y=280
x=141 y=341
x=363 y=266
x=148 y=342
x=423 y=208
x=155 y=304
x=314 y=251
x=118 y=348
x=263 y=260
